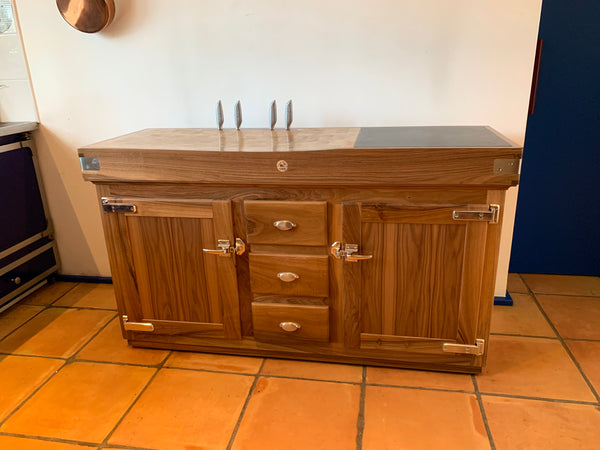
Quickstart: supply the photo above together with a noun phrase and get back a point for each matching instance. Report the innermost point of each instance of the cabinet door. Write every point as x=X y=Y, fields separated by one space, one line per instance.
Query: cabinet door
x=422 y=287
x=178 y=288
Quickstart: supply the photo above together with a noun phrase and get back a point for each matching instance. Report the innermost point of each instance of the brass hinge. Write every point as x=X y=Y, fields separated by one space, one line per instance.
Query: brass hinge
x=491 y=216
x=111 y=206
x=476 y=349
x=136 y=326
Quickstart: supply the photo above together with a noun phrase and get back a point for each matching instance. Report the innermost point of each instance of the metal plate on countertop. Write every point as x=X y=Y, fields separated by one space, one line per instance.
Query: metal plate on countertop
x=429 y=137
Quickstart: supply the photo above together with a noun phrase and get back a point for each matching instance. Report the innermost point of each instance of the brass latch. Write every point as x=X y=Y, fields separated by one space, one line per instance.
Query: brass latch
x=476 y=349
x=136 y=326
x=225 y=249
x=347 y=252
x=491 y=216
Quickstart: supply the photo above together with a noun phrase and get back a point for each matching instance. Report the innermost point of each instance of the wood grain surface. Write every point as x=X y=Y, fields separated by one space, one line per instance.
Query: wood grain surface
x=313 y=322
x=430 y=281
x=318 y=157
x=312 y=271
x=309 y=218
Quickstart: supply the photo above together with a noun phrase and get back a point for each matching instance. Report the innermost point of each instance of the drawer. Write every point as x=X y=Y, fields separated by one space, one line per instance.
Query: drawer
x=278 y=322
x=25 y=272
x=297 y=275
x=290 y=223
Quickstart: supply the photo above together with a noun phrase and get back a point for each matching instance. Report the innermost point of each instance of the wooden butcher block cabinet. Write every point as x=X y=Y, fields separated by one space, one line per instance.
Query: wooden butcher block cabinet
x=361 y=245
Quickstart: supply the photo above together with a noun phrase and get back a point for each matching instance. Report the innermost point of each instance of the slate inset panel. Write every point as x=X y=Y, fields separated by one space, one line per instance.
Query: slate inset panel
x=427 y=137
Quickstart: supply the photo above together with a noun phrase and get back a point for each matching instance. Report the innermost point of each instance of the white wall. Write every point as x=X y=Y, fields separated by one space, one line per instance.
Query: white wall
x=16 y=98
x=343 y=62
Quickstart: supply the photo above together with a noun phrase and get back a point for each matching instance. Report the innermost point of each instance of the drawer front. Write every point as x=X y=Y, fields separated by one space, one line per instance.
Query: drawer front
x=25 y=272
x=297 y=275
x=290 y=223
x=287 y=323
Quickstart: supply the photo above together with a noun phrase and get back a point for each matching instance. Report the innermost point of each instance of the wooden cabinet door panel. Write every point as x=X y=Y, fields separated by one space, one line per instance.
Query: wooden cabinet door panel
x=424 y=280
x=176 y=281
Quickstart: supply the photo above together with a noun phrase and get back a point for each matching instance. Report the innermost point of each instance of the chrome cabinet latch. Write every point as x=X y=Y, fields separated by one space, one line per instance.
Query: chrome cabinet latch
x=476 y=349
x=225 y=249
x=491 y=216
x=347 y=252
x=111 y=206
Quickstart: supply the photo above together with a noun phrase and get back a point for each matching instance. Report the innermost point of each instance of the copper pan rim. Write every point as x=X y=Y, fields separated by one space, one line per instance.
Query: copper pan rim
x=88 y=16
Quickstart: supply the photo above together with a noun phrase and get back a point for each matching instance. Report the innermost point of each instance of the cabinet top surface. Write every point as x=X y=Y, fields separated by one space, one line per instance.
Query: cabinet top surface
x=386 y=156
x=306 y=139
x=8 y=128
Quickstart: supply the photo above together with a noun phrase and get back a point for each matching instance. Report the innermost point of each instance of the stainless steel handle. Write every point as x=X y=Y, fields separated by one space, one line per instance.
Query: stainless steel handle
x=284 y=225
x=290 y=327
x=288 y=277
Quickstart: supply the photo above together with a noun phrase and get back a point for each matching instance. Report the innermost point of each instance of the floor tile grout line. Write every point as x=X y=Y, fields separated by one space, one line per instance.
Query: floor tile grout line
x=87 y=308
x=360 y=422
x=26 y=355
x=44 y=308
x=158 y=368
x=565 y=295
x=31 y=394
x=554 y=338
x=540 y=399
x=580 y=339
x=67 y=361
x=564 y=345
x=123 y=364
x=421 y=388
x=245 y=406
x=69 y=441
x=49 y=439
x=486 y=424
x=73 y=357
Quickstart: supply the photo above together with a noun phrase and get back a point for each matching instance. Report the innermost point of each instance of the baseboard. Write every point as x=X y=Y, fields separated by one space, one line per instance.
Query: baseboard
x=504 y=301
x=83 y=279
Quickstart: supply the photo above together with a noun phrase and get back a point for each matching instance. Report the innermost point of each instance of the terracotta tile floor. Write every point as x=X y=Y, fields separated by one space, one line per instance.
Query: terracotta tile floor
x=69 y=381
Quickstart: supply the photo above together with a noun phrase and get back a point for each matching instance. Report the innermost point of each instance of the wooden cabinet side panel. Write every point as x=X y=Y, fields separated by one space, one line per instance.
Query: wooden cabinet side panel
x=471 y=282
x=411 y=287
x=150 y=241
x=195 y=291
x=336 y=312
x=243 y=275
x=492 y=250
x=227 y=278
x=121 y=263
x=351 y=276
x=373 y=243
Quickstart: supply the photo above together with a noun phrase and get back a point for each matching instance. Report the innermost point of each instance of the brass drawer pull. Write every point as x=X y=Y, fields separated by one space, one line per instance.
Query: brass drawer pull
x=284 y=225
x=288 y=277
x=290 y=327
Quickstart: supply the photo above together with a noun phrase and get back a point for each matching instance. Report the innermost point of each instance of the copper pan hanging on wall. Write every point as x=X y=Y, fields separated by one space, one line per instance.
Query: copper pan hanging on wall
x=89 y=16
